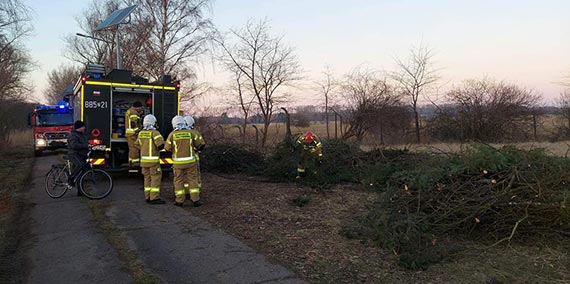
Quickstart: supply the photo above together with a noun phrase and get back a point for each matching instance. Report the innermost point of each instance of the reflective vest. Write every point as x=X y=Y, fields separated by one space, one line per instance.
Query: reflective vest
x=132 y=121
x=148 y=142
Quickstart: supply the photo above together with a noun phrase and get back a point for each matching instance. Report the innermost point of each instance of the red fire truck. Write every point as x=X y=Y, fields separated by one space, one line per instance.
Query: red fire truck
x=101 y=99
x=51 y=125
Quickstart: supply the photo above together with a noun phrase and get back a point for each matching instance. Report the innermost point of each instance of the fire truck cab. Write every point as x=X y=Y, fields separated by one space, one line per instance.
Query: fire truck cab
x=51 y=125
x=102 y=99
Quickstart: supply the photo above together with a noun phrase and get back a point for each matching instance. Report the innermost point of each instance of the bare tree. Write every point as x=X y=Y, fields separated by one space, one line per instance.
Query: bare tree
x=58 y=80
x=15 y=64
x=85 y=50
x=327 y=87
x=265 y=63
x=486 y=110
x=368 y=97
x=564 y=105
x=162 y=37
x=415 y=76
x=179 y=32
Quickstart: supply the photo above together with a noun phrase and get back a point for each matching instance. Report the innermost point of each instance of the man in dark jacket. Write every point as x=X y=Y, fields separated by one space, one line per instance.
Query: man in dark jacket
x=77 y=146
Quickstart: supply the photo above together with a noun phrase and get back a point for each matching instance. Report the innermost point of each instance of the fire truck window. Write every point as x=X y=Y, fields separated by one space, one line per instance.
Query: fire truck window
x=54 y=119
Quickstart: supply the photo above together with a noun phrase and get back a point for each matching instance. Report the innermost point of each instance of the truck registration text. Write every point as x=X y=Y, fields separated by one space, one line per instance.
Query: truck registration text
x=96 y=104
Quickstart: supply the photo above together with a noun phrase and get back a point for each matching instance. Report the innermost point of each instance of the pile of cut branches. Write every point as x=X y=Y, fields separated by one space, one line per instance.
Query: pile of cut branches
x=484 y=193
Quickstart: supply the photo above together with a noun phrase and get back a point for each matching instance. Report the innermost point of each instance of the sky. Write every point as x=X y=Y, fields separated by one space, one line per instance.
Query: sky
x=523 y=42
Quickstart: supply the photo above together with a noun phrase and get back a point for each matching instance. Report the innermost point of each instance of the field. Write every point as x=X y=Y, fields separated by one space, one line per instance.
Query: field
x=230 y=133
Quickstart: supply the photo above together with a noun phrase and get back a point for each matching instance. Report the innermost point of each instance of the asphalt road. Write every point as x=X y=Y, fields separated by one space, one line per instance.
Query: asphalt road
x=66 y=246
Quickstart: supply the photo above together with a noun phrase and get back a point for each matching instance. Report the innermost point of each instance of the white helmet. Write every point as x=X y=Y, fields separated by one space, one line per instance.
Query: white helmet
x=178 y=122
x=149 y=120
x=189 y=121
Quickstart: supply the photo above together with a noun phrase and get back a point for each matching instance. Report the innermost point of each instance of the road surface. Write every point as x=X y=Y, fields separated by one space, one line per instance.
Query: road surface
x=66 y=246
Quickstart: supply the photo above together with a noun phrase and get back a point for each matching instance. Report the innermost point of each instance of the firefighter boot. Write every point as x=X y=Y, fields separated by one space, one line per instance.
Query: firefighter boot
x=197 y=203
x=157 y=201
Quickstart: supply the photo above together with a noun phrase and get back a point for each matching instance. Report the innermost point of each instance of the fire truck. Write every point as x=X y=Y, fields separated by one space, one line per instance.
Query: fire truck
x=51 y=125
x=102 y=98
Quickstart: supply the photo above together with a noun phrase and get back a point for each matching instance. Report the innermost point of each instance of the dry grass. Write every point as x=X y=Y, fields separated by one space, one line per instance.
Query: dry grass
x=15 y=175
x=561 y=148
x=307 y=240
x=21 y=138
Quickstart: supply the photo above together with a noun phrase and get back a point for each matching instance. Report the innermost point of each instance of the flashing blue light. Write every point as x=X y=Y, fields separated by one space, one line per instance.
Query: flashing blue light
x=61 y=106
x=96 y=76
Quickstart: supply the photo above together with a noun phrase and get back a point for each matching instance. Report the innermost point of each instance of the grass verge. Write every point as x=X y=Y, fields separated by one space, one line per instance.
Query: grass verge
x=14 y=175
x=128 y=258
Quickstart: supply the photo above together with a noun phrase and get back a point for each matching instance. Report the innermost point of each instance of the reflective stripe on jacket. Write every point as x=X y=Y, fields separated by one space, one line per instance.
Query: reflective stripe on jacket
x=132 y=121
x=148 y=142
x=183 y=145
x=314 y=147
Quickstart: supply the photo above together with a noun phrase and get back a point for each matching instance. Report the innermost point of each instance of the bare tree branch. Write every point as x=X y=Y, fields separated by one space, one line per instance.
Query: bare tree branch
x=264 y=65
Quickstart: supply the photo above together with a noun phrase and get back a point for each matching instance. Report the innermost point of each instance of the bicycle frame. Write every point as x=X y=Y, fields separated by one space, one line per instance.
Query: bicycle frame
x=86 y=167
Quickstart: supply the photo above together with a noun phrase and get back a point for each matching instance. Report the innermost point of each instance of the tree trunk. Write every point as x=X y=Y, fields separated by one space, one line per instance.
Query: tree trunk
x=534 y=125
x=244 y=129
x=417 y=120
x=256 y=135
x=335 y=126
x=264 y=134
x=288 y=134
x=327 y=116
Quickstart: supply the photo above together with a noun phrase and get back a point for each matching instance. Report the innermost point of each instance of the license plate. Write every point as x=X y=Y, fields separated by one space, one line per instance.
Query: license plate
x=98 y=148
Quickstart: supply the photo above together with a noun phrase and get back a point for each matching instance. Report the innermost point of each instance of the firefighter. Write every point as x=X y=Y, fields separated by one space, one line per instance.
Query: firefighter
x=182 y=144
x=199 y=141
x=311 y=150
x=78 y=147
x=132 y=127
x=150 y=142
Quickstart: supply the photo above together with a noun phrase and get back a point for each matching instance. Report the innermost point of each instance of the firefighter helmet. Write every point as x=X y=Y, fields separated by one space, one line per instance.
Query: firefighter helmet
x=178 y=122
x=309 y=137
x=189 y=121
x=149 y=120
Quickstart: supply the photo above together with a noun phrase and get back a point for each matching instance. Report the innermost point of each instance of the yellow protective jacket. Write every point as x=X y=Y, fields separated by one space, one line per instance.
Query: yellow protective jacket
x=183 y=145
x=314 y=148
x=148 y=141
x=132 y=121
x=198 y=140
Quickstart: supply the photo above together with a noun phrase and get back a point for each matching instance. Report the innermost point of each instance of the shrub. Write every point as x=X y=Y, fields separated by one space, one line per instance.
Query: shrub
x=231 y=159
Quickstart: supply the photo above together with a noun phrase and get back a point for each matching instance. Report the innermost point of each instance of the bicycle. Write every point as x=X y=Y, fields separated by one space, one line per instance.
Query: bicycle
x=93 y=183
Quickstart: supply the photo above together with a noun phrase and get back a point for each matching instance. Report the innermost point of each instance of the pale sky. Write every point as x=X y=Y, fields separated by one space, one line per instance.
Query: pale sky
x=524 y=42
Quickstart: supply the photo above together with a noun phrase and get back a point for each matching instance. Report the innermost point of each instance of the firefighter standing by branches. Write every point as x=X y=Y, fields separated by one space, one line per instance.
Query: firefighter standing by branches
x=311 y=150
x=182 y=143
x=132 y=128
x=150 y=142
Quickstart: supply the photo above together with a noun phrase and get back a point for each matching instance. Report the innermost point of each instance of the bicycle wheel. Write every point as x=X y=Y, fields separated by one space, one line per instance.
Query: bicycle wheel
x=95 y=184
x=56 y=181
